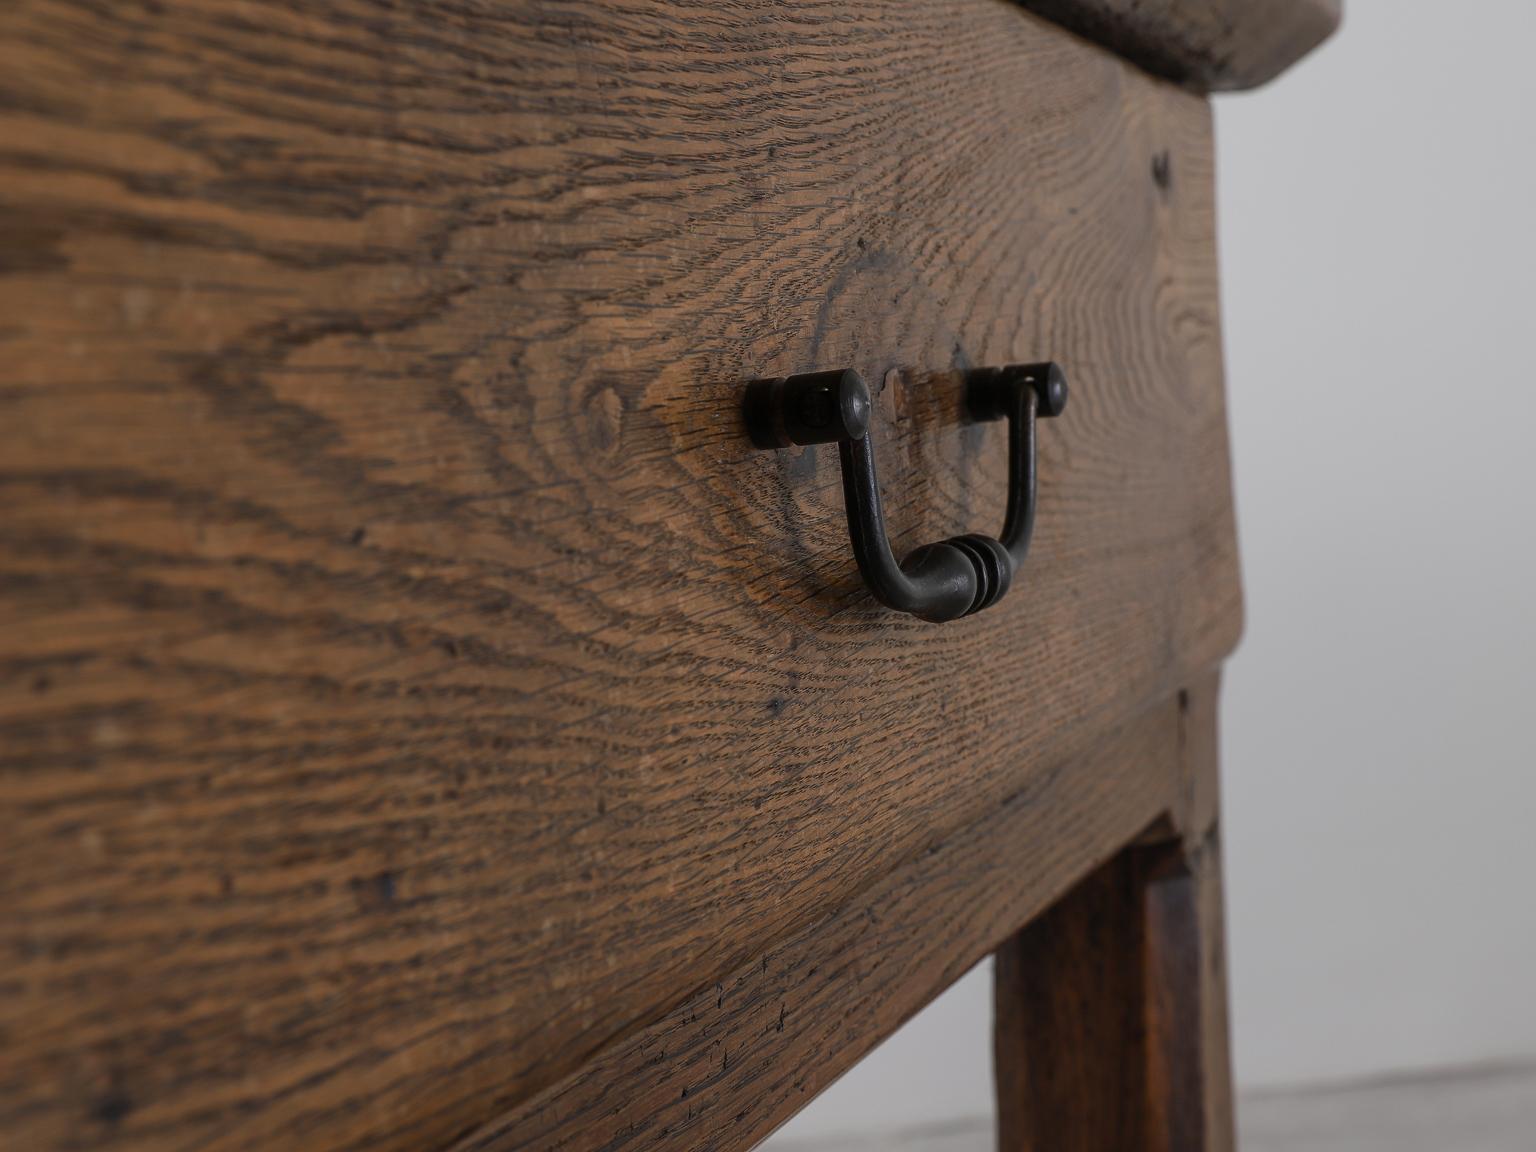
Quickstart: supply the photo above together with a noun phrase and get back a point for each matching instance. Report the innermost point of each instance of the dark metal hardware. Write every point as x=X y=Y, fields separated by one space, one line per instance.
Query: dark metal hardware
x=954 y=577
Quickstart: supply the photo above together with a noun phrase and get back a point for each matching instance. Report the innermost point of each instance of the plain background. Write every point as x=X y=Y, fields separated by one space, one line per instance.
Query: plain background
x=1378 y=242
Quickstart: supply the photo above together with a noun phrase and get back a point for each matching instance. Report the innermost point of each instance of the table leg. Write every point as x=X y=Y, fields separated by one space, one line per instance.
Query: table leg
x=1111 y=1028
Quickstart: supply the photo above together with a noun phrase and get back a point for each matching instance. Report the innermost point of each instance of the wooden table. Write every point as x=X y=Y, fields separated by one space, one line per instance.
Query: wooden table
x=427 y=722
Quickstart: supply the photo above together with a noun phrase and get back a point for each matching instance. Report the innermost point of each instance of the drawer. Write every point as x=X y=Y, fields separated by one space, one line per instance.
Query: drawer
x=413 y=680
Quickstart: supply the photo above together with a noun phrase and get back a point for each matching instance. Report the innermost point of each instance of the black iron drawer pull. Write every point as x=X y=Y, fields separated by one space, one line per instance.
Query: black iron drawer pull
x=954 y=577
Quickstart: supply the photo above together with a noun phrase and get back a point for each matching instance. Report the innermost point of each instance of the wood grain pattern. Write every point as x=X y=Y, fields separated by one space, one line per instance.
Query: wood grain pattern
x=1199 y=836
x=410 y=682
x=723 y=1069
x=1209 y=45
x=1111 y=1025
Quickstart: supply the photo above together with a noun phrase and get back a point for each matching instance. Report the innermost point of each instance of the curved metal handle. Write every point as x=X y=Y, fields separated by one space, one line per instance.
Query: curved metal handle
x=954 y=577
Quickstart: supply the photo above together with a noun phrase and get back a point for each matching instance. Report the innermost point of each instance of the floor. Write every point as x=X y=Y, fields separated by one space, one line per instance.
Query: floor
x=1487 y=1109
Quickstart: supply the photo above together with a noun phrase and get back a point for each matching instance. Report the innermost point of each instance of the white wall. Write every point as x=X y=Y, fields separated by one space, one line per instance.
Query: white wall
x=1378 y=241
x=1379 y=246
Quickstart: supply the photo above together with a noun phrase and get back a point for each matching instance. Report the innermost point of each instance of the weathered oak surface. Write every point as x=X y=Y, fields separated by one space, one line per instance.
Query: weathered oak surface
x=729 y=1064
x=1209 y=45
x=410 y=682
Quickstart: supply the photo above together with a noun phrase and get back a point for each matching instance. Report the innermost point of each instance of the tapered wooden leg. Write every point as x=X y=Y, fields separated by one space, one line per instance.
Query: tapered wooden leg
x=1111 y=1029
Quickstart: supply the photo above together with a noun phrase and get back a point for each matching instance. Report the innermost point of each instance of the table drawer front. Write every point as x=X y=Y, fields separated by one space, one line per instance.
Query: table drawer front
x=413 y=676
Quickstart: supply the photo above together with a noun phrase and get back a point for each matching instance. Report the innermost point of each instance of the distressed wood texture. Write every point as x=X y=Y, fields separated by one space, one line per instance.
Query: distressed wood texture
x=1111 y=1022
x=1209 y=45
x=732 y=1062
x=411 y=684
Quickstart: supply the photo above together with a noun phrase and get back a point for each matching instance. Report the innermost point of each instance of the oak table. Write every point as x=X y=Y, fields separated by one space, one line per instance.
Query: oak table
x=429 y=721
